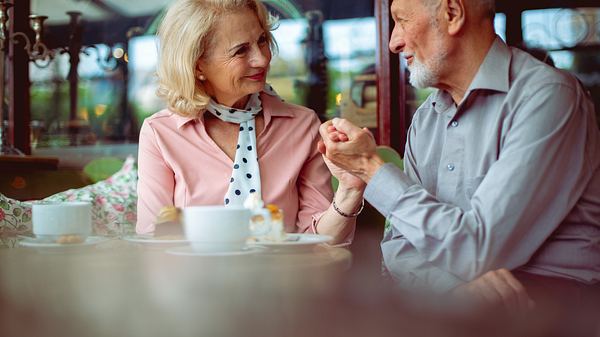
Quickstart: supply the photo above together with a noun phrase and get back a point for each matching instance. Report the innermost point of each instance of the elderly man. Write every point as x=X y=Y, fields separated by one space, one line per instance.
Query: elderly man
x=501 y=163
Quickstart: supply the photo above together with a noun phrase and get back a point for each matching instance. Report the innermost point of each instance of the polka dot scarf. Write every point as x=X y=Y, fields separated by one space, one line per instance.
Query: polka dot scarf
x=245 y=176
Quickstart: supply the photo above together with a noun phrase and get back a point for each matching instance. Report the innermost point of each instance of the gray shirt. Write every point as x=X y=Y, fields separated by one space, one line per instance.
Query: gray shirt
x=507 y=178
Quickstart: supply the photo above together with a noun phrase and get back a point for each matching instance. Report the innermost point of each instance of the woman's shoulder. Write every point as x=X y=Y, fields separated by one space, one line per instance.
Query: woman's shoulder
x=161 y=116
x=166 y=118
x=278 y=108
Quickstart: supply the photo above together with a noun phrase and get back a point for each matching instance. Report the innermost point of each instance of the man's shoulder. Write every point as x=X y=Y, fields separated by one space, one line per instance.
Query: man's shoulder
x=527 y=74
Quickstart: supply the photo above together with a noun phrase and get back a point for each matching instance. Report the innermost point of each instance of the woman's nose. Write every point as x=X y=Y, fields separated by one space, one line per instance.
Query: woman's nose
x=260 y=57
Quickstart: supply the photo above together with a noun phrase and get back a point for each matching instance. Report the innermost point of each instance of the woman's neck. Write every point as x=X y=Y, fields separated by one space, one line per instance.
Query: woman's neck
x=232 y=102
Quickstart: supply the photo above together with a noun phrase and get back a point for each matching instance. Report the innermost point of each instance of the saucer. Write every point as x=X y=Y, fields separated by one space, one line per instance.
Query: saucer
x=293 y=241
x=154 y=240
x=188 y=251
x=43 y=243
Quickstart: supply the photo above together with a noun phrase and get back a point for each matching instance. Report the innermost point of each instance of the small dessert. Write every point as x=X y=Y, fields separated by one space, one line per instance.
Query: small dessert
x=257 y=221
x=253 y=202
x=267 y=229
x=168 y=223
x=69 y=239
x=277 y=232
x=167 y=214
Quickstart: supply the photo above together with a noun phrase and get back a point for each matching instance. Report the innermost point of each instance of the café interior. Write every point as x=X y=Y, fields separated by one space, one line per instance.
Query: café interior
x=77 y=80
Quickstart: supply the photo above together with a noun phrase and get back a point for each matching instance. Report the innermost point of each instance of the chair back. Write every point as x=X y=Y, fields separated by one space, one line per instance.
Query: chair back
x=389 y=155
x=102 y=168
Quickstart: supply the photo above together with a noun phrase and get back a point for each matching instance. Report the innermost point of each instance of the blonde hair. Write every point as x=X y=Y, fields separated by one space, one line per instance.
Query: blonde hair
x=185 y=35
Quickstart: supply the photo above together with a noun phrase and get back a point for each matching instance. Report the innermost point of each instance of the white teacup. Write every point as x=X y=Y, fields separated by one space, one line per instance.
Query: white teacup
x=216 y=228
x=53 y=220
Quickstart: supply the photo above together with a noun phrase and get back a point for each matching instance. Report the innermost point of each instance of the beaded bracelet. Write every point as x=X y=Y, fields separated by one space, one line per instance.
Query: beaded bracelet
x=353 y=215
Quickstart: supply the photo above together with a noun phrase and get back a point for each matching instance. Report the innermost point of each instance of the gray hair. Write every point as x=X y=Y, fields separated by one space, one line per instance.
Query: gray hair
x=486 y=7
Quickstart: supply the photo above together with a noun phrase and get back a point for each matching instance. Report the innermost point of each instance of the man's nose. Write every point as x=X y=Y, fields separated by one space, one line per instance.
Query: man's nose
x=396 y=41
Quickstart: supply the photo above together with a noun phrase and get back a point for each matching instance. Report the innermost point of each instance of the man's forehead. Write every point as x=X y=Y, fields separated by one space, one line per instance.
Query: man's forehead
x=406 y=5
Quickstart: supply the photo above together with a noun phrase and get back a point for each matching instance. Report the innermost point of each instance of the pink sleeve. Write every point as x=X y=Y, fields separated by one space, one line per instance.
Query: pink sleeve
x=156 y=180
x=315 y=190
x=314 y=186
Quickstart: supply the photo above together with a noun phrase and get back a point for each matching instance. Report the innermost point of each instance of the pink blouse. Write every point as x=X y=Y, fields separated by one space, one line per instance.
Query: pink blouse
x=180 y=165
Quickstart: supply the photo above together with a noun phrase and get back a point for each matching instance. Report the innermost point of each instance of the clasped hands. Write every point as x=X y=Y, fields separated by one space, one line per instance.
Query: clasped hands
x=349 y=150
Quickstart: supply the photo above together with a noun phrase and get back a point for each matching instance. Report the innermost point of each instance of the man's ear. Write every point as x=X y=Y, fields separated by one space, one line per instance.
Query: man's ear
x=455 y=15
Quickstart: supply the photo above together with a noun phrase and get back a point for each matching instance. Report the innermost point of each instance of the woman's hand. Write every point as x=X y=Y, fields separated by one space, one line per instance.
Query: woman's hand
x=347 y=180
x=349 y=147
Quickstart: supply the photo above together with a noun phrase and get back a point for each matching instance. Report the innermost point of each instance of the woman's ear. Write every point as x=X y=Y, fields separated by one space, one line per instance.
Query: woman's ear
x=199 y=72
x=455 y=15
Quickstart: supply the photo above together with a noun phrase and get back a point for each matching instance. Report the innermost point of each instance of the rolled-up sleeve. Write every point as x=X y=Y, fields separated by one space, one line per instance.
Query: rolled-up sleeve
x=314 y=186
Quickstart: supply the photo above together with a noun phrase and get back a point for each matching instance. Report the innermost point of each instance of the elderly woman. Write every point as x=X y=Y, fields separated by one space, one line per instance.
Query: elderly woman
x=226 y=133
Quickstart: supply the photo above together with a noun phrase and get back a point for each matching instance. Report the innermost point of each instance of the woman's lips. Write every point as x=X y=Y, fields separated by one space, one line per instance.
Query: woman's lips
x=257 y=77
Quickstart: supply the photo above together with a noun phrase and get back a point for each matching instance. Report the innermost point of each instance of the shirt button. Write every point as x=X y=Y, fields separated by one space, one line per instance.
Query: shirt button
x=454 y=123
x=450 y=167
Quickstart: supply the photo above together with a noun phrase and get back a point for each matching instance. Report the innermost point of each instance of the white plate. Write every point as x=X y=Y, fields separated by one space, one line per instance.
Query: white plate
x=188 y=251
x=39 y=243
x=152 y=240
x=294 y=241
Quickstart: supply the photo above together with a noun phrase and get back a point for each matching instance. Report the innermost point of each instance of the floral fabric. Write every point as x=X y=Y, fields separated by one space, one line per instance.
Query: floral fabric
x=113 y=205
x=15 y=217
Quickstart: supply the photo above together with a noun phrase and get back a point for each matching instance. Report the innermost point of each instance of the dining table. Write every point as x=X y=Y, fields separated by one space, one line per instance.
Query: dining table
x=122 y=288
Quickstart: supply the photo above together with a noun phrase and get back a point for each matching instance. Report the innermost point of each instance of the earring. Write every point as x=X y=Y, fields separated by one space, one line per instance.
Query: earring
x=201 y=77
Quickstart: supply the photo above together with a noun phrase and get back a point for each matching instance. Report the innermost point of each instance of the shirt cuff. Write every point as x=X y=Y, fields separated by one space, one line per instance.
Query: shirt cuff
x=315 y=220
x=385 y=187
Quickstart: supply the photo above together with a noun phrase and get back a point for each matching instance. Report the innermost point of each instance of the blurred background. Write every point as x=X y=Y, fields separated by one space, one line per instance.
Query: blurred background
x=94 y=92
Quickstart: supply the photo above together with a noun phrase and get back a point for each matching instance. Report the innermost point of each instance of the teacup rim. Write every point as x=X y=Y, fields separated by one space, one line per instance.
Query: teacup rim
x=215 y=207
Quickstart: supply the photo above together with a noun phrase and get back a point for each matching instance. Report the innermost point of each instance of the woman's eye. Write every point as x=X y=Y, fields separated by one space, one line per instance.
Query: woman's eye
x=262 y=39
x=240 y=51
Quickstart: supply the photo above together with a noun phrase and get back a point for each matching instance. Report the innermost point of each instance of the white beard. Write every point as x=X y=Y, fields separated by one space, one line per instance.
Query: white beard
x=421 y=76
x=427 y=74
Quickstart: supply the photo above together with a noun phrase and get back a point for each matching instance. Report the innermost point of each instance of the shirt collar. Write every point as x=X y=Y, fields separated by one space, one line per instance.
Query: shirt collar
x=182 y=120
x=273 y=108
x=493 y=74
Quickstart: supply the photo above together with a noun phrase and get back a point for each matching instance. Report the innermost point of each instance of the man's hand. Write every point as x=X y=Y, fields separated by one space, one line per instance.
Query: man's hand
x=499 y=287
x=347 y=180
x=350 y=148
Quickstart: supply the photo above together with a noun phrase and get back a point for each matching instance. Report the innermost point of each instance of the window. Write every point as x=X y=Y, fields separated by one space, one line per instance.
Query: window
x=116 y=84
x=570 y=38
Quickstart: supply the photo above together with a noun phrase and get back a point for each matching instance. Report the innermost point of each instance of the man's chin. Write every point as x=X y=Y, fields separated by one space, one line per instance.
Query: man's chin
x=421 y=78
x=419 y=83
